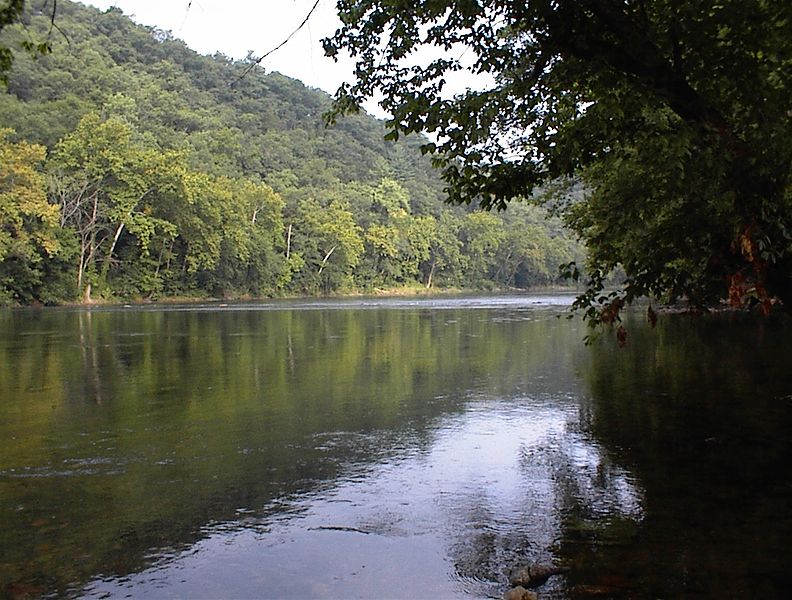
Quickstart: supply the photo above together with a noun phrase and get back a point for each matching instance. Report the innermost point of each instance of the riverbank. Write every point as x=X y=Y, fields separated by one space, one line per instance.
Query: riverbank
x=394 y=292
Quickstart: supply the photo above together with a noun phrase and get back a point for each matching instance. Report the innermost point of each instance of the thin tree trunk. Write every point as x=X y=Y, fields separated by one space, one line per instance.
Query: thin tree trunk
x=88 y=240
x=324 y=261
x=113 y=245
x=513 y=274
x=502 y=266
x=431 y=274
x=170 y=255
x=159 y=260
x=288 y=241
x=81 y=266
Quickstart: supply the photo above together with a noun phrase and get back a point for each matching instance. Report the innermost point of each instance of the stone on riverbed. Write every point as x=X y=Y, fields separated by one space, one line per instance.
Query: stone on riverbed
x=520 y=576
x=519 y=593
x=533 y=575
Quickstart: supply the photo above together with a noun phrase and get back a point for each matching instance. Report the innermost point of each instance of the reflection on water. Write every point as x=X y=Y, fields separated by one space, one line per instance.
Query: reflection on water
x=493 y=486
x=699 y=412
x=376 y=448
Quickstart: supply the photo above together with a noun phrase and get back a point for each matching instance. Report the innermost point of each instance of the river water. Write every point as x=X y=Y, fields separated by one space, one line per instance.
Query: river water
x=391 y=449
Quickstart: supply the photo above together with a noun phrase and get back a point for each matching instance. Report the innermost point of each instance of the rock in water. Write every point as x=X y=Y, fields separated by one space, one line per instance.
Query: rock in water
x=519 y=593
x=520 y=576
x=533 y=575
x=541 y=573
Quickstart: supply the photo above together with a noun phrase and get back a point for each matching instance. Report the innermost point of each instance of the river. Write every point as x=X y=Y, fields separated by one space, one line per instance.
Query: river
x=405 y=448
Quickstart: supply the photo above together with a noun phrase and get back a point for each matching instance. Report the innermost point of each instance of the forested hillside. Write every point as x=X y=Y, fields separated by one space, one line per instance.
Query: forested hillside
x=132 y=167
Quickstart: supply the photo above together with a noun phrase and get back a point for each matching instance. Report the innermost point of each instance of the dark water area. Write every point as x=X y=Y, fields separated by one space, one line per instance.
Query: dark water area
x=391 y=448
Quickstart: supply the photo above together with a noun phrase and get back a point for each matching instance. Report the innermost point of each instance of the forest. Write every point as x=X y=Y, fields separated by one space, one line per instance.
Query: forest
x=133 y=168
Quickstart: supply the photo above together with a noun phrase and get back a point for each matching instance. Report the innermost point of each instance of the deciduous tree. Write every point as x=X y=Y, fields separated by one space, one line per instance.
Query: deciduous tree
x=106 y=183
x=28 y=223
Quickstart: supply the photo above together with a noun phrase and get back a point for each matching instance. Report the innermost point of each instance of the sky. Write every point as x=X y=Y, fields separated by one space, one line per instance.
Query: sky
x=234 y=27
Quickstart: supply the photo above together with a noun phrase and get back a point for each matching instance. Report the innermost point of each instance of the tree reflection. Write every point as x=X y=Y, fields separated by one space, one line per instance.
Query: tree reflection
x=482 y=438
x=569 y=495
x=152 y=426
x=698 y=412
x=670 y=480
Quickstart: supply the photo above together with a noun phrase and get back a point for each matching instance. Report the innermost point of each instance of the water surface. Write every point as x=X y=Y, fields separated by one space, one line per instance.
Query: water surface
x=390 y=448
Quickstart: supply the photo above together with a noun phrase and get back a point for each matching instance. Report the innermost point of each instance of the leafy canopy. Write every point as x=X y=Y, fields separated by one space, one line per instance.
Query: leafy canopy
x=674 y=116
x=10 y=11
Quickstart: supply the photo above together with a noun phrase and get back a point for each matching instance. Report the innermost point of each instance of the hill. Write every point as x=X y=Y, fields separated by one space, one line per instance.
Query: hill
x=134 y=167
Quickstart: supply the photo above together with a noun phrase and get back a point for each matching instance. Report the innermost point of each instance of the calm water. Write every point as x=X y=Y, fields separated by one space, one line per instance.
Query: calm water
x=402 y=448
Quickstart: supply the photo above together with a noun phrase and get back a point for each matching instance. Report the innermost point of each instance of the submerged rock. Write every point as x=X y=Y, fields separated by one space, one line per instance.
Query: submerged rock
x=531 y=576
x=520 y=576
x=519 y=593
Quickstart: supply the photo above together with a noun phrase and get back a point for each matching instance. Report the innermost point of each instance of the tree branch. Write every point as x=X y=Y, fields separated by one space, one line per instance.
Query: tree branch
x=633 y=53
x=252 y=65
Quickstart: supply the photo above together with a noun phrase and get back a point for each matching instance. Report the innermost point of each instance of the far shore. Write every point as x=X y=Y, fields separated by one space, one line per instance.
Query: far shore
x=398 y=292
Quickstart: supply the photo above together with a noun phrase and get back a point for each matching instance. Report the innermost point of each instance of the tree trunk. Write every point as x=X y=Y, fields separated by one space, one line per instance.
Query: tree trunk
x=113 y=245
x=431 y=274
x=324 y=260
x=109 y=256
x=81 y=266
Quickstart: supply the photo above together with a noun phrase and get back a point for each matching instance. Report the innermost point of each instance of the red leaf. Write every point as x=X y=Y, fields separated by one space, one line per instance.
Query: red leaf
x=621 y=336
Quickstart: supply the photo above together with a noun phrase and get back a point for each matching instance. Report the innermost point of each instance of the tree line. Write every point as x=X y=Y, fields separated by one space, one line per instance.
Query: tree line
x=106 y=214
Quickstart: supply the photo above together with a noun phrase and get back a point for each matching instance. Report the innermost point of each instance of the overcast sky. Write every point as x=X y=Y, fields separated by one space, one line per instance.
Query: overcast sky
x=234 y=27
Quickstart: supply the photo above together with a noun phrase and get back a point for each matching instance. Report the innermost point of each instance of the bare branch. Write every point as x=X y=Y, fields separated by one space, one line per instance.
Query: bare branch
x=258 y=61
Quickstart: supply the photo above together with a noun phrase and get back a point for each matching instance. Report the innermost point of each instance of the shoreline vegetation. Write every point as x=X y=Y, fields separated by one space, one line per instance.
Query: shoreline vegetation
x=393 y=292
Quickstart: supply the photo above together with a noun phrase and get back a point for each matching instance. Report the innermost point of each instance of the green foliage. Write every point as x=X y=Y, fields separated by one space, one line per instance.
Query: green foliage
x=170 y=175
x=28 y=222
x=675 y=117
x=10 y=12
x=329 y=242
x=107 y=184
